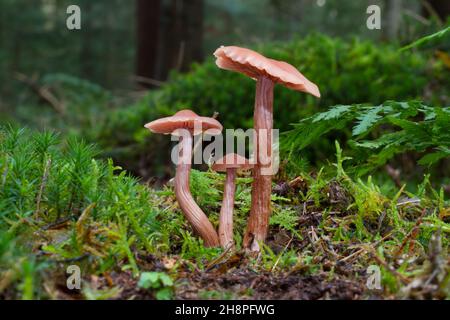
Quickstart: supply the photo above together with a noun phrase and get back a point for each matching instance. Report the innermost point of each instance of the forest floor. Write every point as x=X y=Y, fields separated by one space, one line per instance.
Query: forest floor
x=331 y=236
x=317 y=255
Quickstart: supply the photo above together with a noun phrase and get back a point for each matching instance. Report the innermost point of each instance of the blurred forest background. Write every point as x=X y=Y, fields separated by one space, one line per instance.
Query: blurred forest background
x=94 y=82
x=364 y=174
x=121 y=39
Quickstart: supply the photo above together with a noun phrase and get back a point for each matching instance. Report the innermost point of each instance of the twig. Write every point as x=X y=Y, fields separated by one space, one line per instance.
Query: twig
x=180 y=57
x=295 y=182
x=58 y=223
x=76 y=259
x=314 y=237
x=374 y=245
x=218 y=259
x=363 y=247
x=43 y=91
x=416 y=16
x=387 y=266
x=42 y=187
x=431 y=11
x=412 y=234
x=356 y=253
x=146 y=80
x=408 y=202
x=279 y=256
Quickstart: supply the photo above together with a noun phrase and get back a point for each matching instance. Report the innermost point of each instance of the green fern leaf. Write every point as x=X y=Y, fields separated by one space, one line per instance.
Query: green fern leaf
x=367 y=120
x=434 y=157
x=334 y=113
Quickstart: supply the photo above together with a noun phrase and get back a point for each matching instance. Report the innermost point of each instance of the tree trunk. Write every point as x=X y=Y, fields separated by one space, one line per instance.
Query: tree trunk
x=147 y=17
x=193 y=20
x=86 y=54
x=394 y=18
x=183 y=21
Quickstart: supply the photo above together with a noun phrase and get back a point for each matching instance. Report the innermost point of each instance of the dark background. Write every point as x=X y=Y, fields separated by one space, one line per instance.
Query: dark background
x=121 y=40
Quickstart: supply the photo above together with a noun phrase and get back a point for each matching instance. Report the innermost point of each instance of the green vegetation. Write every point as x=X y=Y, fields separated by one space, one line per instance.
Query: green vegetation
x=352 y=72
x=348 y=72
x=157 y=280
x=363 y=183
x=377 y=133
x=60 y=206
x=47 y=186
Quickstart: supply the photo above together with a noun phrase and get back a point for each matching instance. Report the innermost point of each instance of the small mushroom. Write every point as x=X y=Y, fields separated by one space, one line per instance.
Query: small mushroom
x=267 y=72
x=229 y=164
x=192 y=124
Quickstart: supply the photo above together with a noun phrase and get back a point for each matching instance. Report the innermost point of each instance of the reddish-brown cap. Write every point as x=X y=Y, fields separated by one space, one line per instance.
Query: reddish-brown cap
x=184 y=119
x=231 y=161
x=254 y=65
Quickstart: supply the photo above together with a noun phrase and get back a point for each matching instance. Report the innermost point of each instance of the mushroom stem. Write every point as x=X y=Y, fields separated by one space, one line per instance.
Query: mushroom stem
x=258 y=221
x=196 y=217
x=226 y=212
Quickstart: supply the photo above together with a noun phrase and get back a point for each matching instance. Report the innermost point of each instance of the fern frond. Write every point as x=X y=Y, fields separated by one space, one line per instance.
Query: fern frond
x=406 y=126
x=367 y=120
x=334 y=113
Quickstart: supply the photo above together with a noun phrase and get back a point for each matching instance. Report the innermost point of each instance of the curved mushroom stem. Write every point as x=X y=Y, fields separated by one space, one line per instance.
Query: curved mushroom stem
x=226 y=212
x=258 y=221
x=196 y=217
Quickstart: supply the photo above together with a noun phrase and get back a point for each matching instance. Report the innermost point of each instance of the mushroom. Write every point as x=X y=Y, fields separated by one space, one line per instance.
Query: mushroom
x=186 y=124
x=267 y=72
x=229 y=164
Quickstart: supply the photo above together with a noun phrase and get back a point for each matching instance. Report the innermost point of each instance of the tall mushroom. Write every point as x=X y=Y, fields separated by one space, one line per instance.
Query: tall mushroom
x=267 y=72
x=229 y=164
x=192 y=124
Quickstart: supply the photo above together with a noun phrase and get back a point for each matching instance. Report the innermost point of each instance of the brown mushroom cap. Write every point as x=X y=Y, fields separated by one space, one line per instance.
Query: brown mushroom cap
x=254 y=65
x=184 y=119
x=231 y=161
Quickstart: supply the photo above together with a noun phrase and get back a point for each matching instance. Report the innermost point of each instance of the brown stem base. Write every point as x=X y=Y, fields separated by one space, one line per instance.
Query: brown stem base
x=258 y=222
x=196 y=217
x=226 y=212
